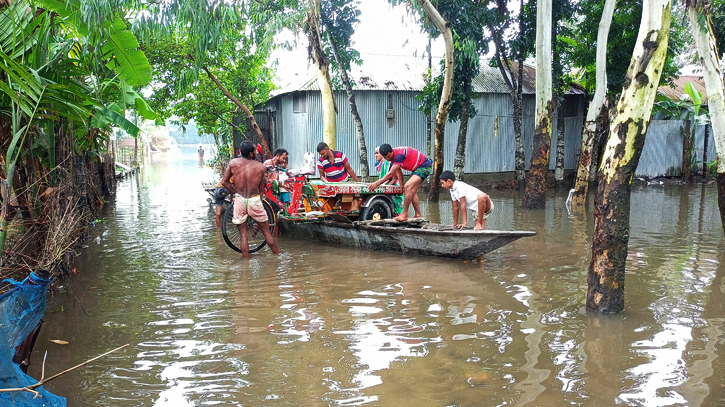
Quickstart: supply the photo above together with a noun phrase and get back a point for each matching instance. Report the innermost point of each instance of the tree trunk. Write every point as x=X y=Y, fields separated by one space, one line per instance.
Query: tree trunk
x=559 y=169
x=605 y=278
x=704 y=152
x=686 y=150
x=536 y=180
x=7 y=191
x=519 y=154
x=250 y=116
x=429 y=116
x=600 y=138
x=713 y=78
x=317 y=53
x=353 y=109
x=596 y=109
x=445 y=30
x=516 y=91
x=135 y=149
x=459 y=163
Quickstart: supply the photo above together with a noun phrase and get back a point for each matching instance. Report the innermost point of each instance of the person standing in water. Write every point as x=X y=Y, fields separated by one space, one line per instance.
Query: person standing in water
x=201 y=156
x=249 y=181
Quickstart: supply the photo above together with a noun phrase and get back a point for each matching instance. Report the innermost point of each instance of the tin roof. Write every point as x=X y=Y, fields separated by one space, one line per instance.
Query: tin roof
x=676 y=92
x=386 y=72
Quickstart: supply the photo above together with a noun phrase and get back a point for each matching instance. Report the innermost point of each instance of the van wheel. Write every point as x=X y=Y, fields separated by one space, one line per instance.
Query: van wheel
x=378 y=208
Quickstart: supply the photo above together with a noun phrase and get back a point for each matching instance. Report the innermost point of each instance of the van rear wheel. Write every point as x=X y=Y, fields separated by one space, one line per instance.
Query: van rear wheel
x=378 y=208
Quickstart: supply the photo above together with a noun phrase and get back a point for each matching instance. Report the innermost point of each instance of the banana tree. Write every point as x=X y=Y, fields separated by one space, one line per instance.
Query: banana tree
x=44 y=82
x=687 y=111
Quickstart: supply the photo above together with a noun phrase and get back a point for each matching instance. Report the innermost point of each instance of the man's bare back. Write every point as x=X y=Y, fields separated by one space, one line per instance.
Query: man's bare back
x=249 y=177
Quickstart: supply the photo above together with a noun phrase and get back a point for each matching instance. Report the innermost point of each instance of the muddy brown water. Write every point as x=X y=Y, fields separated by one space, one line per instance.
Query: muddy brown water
x=324 y=325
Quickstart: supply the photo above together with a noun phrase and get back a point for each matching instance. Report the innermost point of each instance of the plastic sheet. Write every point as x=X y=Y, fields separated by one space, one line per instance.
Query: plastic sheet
x=20 y=311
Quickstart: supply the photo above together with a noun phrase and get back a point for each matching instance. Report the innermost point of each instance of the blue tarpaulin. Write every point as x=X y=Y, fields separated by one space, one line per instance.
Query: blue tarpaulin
x=20 y=311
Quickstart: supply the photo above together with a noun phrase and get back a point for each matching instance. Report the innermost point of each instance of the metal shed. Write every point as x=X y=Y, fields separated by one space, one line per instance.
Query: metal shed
x=297 y=117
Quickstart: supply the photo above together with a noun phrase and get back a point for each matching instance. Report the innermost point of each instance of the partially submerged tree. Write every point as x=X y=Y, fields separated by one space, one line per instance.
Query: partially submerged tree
x=704 y=34
x=561 y=30
x=588 y=54
x=605 y=278
x=596 y=108
x=536 y=180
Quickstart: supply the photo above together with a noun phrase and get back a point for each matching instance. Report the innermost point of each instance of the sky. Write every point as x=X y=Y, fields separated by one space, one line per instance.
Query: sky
x=383 y=30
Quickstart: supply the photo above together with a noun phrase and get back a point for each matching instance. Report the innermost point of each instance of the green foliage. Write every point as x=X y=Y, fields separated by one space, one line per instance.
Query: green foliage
x=467 y=21
x=717 y=13
x=339 y=18
x=463 y=67
x=621 y=41
x=684 y=110
x=196 y=97
x=109 y=34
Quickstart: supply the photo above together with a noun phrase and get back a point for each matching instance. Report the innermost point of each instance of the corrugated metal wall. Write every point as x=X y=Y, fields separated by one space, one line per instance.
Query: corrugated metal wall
x=490 y=143
x=662 y=153
x=407 y=128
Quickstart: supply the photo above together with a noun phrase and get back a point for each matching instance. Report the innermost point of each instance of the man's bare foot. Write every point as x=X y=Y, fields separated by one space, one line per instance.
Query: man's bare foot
x=418 y=216
x=478 y=227
x=401 y=217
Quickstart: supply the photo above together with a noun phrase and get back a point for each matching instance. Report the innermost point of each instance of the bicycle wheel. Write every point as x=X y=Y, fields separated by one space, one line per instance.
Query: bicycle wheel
x=256 y=237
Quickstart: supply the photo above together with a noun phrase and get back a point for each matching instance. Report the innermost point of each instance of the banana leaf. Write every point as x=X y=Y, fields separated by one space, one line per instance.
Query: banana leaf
x=120 y=46
x=106 y=116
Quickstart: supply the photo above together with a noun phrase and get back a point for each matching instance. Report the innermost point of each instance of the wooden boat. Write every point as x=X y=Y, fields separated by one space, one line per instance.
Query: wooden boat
x=416 y=236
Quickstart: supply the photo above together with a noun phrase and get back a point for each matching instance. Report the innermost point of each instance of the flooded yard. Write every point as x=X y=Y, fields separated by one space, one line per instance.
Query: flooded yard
x=327 y=325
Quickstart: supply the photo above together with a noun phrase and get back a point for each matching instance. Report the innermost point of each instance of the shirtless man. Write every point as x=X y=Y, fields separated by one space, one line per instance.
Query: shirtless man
x=248 y=186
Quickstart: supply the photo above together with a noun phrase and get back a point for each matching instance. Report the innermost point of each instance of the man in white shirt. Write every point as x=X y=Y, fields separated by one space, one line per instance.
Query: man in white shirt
x=469 y=198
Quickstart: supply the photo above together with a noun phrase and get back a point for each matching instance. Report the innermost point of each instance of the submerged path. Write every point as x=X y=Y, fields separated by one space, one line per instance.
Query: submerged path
x=326 y=325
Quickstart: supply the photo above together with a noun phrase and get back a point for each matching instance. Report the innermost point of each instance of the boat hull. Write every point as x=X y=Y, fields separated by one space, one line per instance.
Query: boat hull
x=453 y=244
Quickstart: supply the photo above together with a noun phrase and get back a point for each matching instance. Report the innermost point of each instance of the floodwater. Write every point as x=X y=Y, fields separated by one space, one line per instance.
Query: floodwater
x=324 y=325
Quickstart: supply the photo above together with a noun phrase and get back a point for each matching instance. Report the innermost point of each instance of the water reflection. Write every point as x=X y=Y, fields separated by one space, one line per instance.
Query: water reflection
x=326 y=325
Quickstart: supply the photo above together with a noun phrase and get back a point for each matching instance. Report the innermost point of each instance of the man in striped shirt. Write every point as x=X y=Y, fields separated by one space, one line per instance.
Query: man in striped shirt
x=411 y=160
x=333 y=165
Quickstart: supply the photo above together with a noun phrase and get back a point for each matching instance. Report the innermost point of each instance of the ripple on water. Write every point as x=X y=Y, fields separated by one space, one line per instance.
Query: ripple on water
x=323 y=324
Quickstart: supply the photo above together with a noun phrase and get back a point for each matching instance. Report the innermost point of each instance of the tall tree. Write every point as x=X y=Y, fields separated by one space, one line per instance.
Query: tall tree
x=563 y=12
x=317 y=54
x=339 y=18
x=620 y=43
x=536 y=180
x=703 y=31
x=468 y=45
x=596 y=108
x=498 y=21
x=627 y=132
x=445 y=30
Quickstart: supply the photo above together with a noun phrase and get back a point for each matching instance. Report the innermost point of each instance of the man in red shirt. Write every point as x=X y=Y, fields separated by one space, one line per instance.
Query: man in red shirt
x=333 y=165
x=408 y=159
